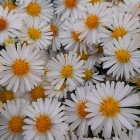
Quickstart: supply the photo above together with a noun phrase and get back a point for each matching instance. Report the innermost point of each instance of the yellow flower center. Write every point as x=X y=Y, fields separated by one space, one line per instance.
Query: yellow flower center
x=15 y=124
x=75 y=36
x=6 y=95
x=3 y=24
x=119 y=32
x=109 y=107
x=37 y=92
x=123 y=56
x=33 y=9
x=80 y=108
x=34 y=33
x=94 y=1
x=43 y=123
x=92 y=22
x=54 y=30
x=70 y=3
x=9 y=41
x=20 y=67
x=10 y=5
x=88 y=75
x=83 y=56
x=138 y=83
x=63 y=87
x=67 y=71
x=139 y=123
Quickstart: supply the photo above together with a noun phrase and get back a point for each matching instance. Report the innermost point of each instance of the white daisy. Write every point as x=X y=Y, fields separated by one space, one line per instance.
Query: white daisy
x=76 y=113
x=70 y=37
x=37 y=9
x=55 y=29
x=65 y=68
x=110 y=108
x=9 y=24
x=90 y=25
x=118 y=25
x=73 y=9
x=50 y=90
x=22 y=68
x=37 y=92
x=92 y=74
x=122 y=57
x=36 y=33
x=12 y=119
x=6 y=95
x=45 y=121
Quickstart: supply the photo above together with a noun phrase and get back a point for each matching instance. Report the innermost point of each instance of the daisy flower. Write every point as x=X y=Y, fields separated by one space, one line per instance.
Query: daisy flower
x=90 y=25
x=110 y=108
x=22 y=68
x=9 y=24
x=12 y=119
x=37 y=9
x=37 y=92
x=36 y=33
x=91 y=74
x=122 y=57
x=118 y=25
x=55 y=29
x=45 y=121
x=73 y=9
x=65 y=68
x=76 y=113
x=70 y=37
x=8 y=95
x=51 y=92
x=9 y=4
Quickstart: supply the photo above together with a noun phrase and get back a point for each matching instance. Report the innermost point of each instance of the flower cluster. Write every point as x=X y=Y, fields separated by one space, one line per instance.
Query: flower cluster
x=69 y=69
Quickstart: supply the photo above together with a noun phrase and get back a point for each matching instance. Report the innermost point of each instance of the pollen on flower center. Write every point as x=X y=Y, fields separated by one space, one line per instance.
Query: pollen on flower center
x=15 y=124
x=54 y=30
x=75 y=36
x=67 y=71
x=43 y=123
x=81 y=106
x=3 y=24
x=92 y=22
x=34 y=33
x=10 y=5
x=83 y=56
x=20 y=67
x=109 y=107
x=88 y=74
x=119 y=32
x=6 y=95
x=33 y=9
x=122 y=55
x=37 y=92
x=95 y=1
x=70 y=3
